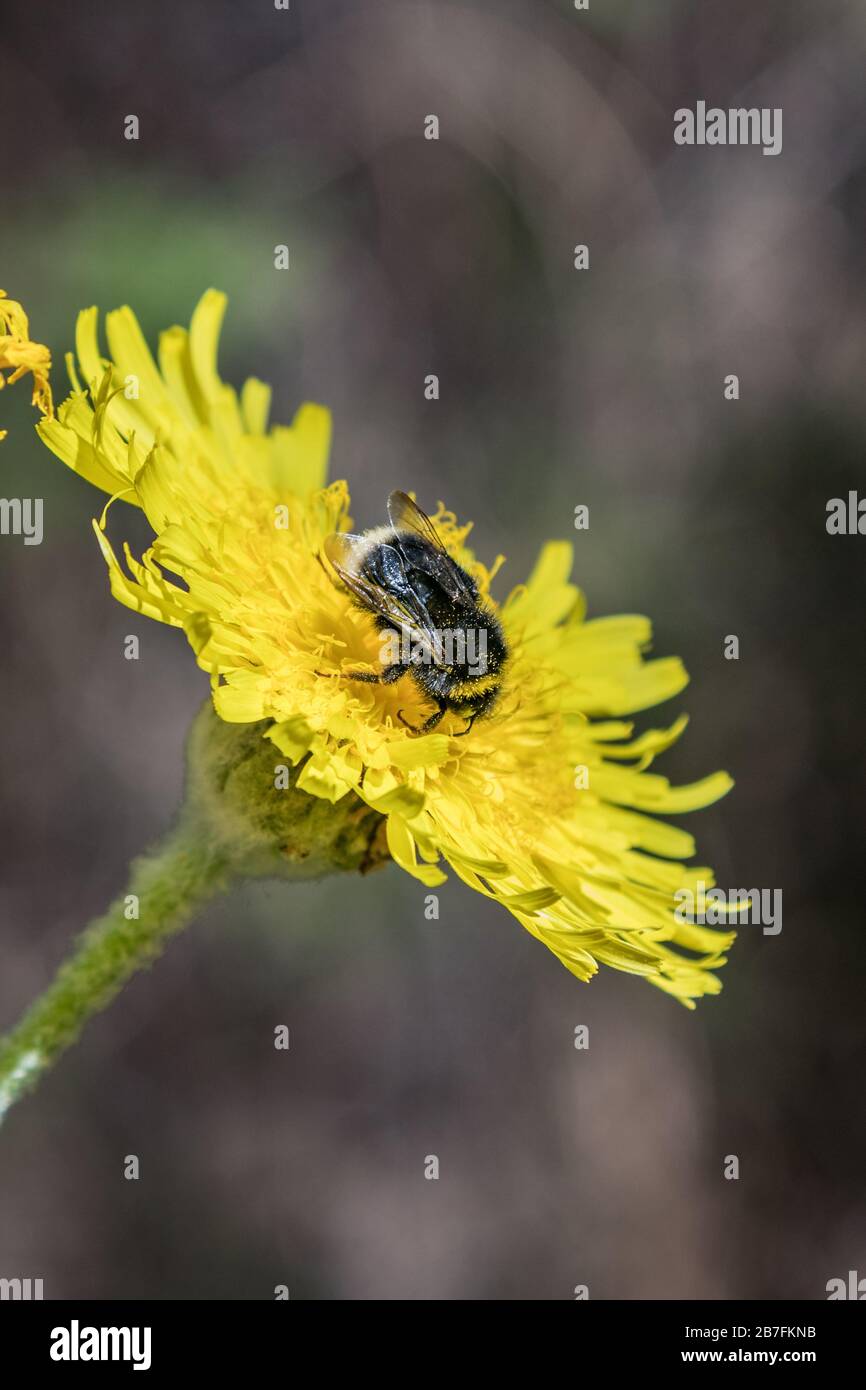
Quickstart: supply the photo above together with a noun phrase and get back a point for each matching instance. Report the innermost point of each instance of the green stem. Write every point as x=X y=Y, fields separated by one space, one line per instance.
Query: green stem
x=235 y=822
x=169 y=883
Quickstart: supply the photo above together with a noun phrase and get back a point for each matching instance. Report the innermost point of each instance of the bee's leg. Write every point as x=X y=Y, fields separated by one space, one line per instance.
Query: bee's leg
x=481 y=708
x=464 y=732
x=428 y=723
x=386 y=677
x=368 y=677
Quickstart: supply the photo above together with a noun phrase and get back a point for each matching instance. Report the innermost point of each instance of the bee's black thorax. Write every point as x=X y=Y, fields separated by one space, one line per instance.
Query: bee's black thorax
x=461 y=668
x=434 y=624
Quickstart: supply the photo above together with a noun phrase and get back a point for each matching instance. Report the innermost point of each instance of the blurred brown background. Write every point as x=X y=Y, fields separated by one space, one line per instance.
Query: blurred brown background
x=408 y=256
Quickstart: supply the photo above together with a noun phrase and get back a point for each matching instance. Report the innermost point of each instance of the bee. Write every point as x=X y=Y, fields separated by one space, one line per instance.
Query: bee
x=433 y=623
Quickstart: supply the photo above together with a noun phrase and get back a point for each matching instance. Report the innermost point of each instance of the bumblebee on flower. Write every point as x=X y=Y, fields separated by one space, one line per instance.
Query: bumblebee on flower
x=405 y=577
x=469 y=768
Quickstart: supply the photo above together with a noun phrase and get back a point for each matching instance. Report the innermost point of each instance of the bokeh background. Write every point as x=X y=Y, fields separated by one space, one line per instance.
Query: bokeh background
x=558 y=387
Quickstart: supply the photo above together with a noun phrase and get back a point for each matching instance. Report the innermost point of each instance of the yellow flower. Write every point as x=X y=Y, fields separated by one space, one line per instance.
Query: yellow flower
x=18 y=355
x=547 y=805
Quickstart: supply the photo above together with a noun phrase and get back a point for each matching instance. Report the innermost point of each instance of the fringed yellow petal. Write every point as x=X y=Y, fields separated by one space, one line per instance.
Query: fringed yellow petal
x=547 y=597
x=132 y=593
x=319 y=778
x=401 y=800
x=650 y=792
x=255 y=407
x=292 y=736
x=135 y=368
x=430 y=750
x=401 y=846
x=239 y=703
x=19 y=356
x=299 y=454
x=648 y=744
x=87 y=345
x=175 y=363
x=80 y=456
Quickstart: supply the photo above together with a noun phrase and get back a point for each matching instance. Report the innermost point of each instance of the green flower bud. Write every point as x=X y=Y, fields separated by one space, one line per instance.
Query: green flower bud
x=263 y=829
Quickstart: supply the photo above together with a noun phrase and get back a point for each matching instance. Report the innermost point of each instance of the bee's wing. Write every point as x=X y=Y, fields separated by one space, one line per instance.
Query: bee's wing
x=406 y=515
x=405 y=611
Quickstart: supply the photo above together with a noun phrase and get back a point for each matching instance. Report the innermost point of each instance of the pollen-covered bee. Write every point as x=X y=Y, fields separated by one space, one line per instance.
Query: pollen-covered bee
x=433 y=623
